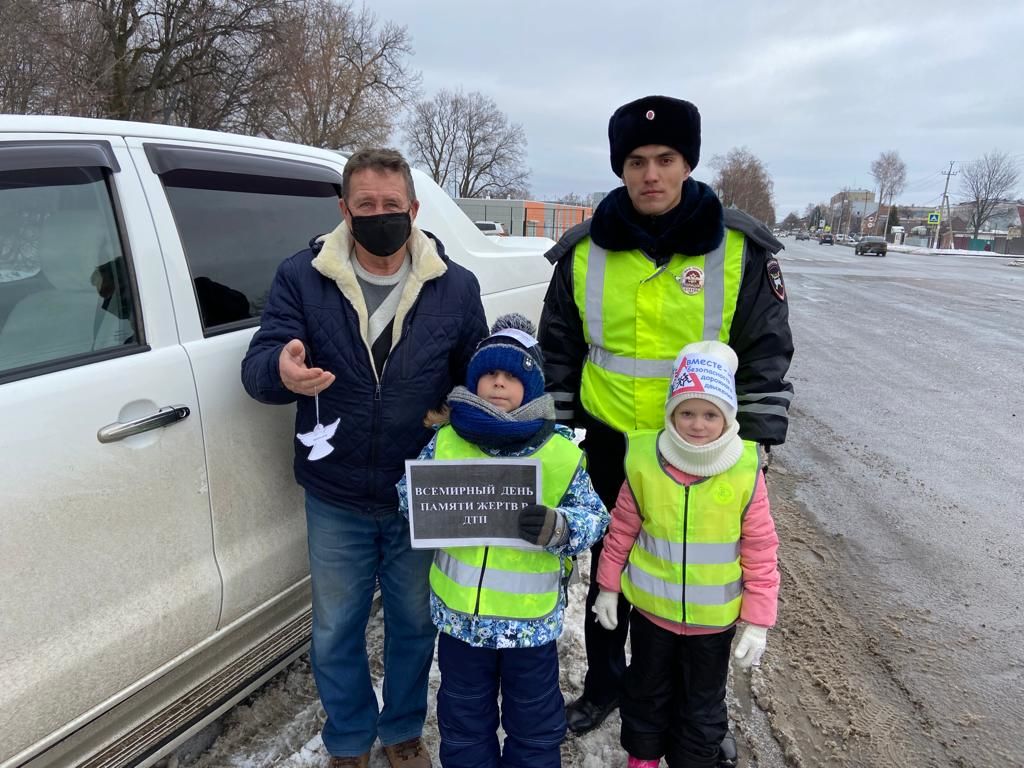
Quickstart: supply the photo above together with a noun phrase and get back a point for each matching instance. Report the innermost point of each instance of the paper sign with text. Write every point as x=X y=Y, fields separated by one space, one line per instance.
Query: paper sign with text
x=471 y=502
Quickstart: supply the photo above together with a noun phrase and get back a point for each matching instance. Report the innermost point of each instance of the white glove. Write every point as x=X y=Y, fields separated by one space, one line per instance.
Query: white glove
x=750 y=647
x=607 y=609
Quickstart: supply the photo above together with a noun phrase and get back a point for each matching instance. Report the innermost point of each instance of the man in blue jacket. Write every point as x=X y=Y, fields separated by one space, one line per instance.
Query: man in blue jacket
x=367 y=331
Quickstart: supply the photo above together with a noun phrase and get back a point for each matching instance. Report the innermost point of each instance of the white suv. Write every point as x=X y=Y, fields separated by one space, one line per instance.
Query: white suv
x=153 y=549
x=493 y=228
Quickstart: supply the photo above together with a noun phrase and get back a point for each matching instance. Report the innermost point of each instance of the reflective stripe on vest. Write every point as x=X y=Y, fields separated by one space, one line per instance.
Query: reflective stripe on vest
x=637 y=316
x=685 y=564
x=503 y=582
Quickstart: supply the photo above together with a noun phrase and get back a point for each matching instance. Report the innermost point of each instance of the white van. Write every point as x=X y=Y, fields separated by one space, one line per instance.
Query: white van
x=153 y=552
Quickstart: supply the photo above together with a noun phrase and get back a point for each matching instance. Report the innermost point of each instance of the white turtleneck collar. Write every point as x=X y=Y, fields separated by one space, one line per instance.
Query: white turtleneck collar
x=701 y=460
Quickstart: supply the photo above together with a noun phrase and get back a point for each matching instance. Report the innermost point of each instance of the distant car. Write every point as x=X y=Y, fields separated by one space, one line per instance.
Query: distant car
x=803 y=236
x=872 y=245
x=494 y=228
x=825 y=239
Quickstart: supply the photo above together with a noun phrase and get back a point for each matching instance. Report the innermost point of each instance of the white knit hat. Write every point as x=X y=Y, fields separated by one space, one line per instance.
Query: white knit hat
x=705 y=370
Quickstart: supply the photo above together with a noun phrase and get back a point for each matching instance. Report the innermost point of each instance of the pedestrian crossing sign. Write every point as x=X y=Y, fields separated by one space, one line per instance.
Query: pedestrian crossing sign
x=933 y=217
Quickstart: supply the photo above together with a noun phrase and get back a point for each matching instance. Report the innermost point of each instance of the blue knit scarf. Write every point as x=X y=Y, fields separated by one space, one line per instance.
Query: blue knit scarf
x=481 y=423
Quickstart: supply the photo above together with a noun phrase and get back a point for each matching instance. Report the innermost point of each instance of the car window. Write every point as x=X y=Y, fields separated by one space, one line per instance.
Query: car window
x=65 y=289
x=237 y=228
x=485 y=226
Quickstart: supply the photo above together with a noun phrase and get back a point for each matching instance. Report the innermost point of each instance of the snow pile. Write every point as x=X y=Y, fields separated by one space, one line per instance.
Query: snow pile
x=919 y=251
x=279 y=725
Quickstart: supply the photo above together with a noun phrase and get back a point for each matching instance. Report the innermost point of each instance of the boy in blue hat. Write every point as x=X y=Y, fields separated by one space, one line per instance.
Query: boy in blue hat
x=499 y=609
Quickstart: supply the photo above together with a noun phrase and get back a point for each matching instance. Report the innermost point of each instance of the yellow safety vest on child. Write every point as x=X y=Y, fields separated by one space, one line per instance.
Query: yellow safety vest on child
x=503 y=582
x=685 y=564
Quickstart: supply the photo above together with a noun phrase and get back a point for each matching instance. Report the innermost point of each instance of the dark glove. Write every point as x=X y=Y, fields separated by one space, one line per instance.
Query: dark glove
x=540 y=525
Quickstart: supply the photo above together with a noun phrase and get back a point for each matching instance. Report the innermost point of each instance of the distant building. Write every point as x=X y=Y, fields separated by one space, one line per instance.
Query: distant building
x=1005 y=214
x=531 y=218
x=849 y=208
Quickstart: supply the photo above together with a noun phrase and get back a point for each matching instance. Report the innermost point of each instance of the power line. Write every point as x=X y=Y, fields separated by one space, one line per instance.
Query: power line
x=929 y=179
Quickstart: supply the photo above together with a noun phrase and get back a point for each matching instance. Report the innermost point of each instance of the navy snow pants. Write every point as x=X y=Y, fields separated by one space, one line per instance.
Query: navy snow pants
x=532 y=708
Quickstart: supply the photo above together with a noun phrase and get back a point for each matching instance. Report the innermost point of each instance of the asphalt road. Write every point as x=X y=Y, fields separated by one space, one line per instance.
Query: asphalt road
x=907 y=434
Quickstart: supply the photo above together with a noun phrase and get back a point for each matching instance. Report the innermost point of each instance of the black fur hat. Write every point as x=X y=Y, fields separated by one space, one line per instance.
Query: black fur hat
x=654 y=120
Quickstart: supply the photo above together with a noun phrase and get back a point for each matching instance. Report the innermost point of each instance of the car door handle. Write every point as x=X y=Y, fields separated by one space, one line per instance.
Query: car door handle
x=120 y=430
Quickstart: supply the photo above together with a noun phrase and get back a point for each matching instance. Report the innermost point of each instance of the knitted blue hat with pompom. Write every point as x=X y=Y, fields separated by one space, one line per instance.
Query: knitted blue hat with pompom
x=511 y=347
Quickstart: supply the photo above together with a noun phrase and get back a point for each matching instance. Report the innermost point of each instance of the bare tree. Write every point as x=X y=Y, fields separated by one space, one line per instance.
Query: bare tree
x=468 y=145
x=24 y=68
x=316 y=71
x=792 y=221
x=987 y=181
x=172 y=61
x=743 y=182
x=346 y=76
x=493 y=150
x=815 y=215
x=147 y=53
x=433 y=136
x=231 y=84
x=890 y=173
x=574 y=198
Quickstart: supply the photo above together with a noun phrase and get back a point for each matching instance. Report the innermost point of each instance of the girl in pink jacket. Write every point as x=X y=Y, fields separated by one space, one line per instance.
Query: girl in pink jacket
x=692 y=546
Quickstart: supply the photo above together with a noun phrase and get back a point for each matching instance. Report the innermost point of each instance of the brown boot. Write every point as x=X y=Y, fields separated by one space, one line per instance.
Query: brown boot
x=408 y=754
x=362 y=761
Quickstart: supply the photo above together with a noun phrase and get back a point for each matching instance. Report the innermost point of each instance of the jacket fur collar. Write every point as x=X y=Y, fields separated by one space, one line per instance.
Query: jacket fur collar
x=334 y=262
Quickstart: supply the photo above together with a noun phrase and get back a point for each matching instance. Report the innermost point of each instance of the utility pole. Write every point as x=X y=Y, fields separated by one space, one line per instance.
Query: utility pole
x=846 y=202
x=878 y=212
x=945 y=201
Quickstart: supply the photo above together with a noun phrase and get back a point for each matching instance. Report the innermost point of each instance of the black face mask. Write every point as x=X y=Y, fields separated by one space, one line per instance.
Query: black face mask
x=382 y=234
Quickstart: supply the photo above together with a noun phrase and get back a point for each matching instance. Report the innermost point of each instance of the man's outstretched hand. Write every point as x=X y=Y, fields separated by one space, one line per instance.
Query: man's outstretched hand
x=296 y=376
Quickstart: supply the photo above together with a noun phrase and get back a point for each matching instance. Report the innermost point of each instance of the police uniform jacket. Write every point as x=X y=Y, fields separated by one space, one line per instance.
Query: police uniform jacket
x=759 y=331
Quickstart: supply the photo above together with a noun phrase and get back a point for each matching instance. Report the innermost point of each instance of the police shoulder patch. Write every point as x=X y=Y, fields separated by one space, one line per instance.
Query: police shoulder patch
x=774 y=272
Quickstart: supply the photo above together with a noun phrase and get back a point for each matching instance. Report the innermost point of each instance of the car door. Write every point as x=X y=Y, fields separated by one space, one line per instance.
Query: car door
x=107 y=554
x=227 y=216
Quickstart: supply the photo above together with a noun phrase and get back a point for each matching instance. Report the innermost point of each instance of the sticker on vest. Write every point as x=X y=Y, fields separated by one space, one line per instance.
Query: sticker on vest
x=691 y=281
x=318 y=438
x=723 y=493
x=775 y=279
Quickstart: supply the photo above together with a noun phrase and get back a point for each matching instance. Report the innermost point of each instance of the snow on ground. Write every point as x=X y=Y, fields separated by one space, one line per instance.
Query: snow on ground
x=11 y=275
x=279 y=725
x=920 y=251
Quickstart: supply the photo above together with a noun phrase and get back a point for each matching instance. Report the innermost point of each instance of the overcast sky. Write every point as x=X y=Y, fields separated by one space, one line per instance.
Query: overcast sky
x=817 y=90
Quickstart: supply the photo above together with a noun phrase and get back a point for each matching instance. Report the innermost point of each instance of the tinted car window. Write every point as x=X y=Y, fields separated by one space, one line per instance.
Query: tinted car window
x=236 y=229
x=65 y=290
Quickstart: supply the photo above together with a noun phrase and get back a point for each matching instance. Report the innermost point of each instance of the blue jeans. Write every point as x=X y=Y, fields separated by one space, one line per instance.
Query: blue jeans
x=348 y=551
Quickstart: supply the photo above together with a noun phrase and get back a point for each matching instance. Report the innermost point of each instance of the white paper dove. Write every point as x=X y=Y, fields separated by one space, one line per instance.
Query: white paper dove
x=317 y=440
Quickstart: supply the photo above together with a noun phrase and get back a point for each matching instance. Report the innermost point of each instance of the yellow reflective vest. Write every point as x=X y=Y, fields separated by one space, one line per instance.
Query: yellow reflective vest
x=685 y=564
x=502 y=582
x=637 y=316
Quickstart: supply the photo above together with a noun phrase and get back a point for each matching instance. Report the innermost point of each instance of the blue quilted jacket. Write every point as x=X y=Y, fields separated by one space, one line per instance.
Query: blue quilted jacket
x=315 y=298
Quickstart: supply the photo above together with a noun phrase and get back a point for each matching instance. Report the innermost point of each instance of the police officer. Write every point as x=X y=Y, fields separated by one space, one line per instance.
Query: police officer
x=658 y=266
